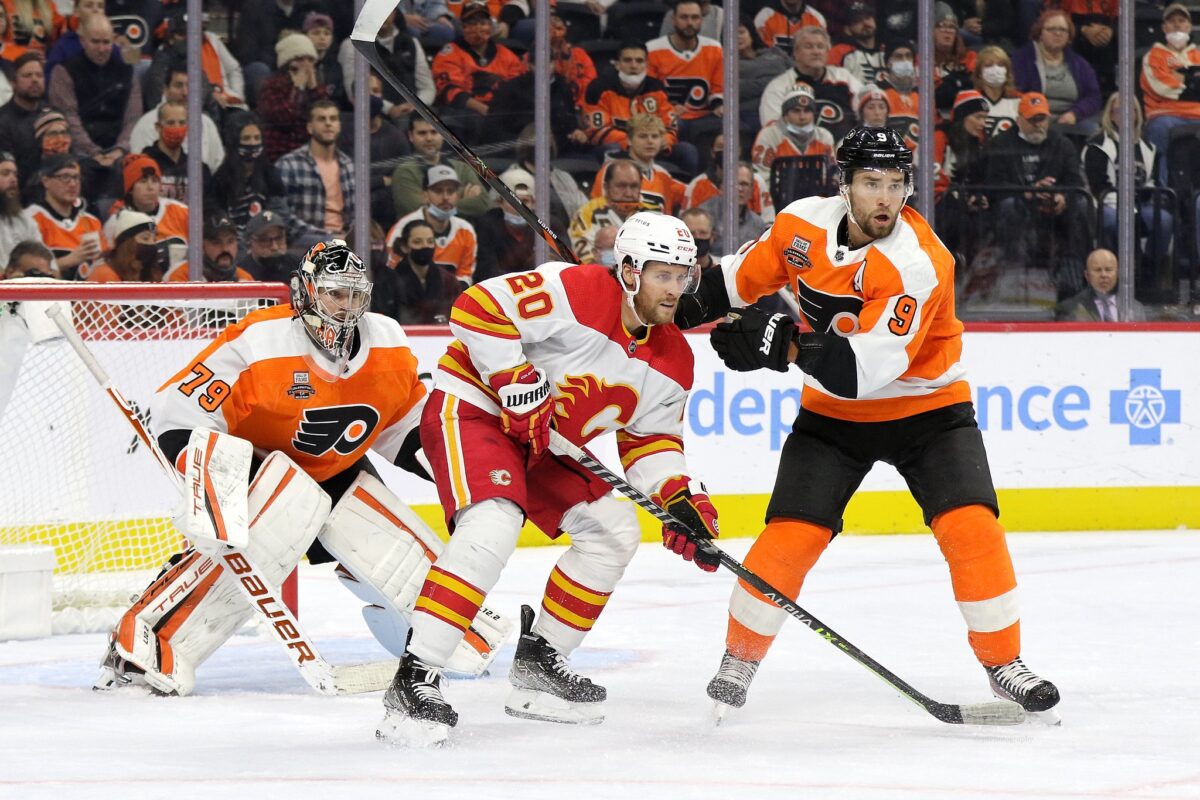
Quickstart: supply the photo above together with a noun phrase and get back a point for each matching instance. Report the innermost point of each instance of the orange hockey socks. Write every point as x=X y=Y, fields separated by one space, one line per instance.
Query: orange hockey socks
x=985 y=586
x=783 y=554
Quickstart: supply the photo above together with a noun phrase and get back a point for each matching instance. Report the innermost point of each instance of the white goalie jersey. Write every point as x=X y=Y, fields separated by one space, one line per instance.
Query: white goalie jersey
x=565 y=319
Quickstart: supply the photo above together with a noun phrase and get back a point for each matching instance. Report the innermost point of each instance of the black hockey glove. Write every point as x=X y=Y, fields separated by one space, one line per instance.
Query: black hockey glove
x=752 y=340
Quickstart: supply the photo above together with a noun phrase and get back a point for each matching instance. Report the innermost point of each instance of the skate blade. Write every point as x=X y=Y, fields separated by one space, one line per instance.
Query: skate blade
x=128 y=684
x=1049 y=717
x=401 y=730
x=544 y=707
x=721 y=712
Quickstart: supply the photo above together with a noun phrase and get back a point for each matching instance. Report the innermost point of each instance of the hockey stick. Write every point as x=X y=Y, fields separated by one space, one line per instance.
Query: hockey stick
x=258 y=591
x=996 y=712
x=366 y=29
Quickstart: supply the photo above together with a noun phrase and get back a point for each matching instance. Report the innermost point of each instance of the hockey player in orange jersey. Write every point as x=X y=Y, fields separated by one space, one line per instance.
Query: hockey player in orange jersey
x=594 y=352
x=882 y=382
x=295 y=395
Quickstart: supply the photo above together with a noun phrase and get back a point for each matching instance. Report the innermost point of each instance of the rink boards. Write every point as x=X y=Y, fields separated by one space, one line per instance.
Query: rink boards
x=1088 y=428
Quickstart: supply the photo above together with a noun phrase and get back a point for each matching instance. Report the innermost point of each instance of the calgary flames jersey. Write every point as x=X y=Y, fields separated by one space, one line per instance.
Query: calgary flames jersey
x=566 y=320
x=893 y=300
x=257 y=381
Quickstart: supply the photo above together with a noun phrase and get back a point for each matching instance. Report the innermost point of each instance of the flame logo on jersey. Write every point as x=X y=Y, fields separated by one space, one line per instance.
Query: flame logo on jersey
x=586 y=406
x=829 y=313
x=339 y=428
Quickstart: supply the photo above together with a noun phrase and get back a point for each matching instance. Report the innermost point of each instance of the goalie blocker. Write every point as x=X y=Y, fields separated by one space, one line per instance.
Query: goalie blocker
x=383 y=548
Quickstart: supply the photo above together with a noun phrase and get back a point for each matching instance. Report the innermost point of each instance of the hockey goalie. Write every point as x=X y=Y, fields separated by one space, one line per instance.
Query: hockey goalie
x=295 y=397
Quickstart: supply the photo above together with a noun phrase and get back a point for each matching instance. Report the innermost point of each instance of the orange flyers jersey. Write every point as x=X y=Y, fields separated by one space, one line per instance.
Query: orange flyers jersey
x=902 y=114
x=777 y=29
x=695 y=79
x=454 y=251
x=63 y=234
x=660 y=192
x=702 y=188
x=566 y=320
x=1164 y=81
x=577 y=69
x=607 y=109
x=494 y=6
x=457 y=71
x=260 y=380
x=893 y=300
x=180 y=274
x=773 y=142
x=171 y=222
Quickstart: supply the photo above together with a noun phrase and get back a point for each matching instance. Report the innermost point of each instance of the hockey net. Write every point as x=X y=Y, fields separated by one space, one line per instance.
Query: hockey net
x=72 y=473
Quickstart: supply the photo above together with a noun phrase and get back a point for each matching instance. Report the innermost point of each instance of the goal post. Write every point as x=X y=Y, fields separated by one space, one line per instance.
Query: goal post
x=72 y=472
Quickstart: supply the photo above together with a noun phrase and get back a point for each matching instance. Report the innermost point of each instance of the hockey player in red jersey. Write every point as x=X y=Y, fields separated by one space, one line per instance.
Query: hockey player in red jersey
x=589 y=352
x=307 y=389
x=882 y=382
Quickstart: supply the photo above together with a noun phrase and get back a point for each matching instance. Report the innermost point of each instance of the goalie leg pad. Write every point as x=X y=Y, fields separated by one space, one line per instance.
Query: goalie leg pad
x=215 y=505
x=384 y=551
x=604 y=537
x=189 y=611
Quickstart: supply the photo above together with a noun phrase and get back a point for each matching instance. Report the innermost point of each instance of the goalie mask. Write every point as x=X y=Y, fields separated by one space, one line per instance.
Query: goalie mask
x=330 y=293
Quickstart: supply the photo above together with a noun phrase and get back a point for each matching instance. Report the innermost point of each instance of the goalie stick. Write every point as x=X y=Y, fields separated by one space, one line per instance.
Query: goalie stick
x=366 y=29
x=996 y=712
x=326 y=678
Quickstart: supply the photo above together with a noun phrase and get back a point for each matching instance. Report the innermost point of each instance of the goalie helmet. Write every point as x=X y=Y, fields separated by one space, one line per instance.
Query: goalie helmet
x=646 y=237
x=330 y=292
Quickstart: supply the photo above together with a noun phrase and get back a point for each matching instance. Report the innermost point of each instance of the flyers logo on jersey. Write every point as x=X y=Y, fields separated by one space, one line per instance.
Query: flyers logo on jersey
x=829 y=313
x=339 y=428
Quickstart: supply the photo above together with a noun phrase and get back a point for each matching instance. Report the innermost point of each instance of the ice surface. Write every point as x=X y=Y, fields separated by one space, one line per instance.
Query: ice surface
x=1111 y=617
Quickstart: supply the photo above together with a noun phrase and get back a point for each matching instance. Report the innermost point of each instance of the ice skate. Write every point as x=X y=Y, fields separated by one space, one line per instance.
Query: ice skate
x=416 y=713
x=730 y=685
x=1038 y=696
x=119 y=673
x=545 y=687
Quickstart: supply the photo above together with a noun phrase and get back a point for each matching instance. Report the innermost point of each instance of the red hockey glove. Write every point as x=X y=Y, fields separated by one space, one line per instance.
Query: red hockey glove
x=526 y=406
x=689 y=502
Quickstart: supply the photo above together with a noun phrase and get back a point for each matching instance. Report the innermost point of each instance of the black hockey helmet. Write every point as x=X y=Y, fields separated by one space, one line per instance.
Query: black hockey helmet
x=873 y=148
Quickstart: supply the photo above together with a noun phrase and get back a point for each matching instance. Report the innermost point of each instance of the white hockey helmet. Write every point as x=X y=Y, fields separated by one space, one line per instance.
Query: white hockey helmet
x=648 y=236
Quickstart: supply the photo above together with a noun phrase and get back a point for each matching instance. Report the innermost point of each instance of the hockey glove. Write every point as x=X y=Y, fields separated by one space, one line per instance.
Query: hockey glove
x=688 y=501
x=751 y=340
x=526 y=406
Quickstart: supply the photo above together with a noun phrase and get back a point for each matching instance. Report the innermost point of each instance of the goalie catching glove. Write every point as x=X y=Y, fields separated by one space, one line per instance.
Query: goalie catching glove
x=751 y=340
x=526 y=405
x=688 y=501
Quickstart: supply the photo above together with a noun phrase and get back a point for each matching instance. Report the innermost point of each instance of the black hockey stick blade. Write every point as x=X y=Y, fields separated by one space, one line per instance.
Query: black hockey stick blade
x=996 y=712
x=366 y=29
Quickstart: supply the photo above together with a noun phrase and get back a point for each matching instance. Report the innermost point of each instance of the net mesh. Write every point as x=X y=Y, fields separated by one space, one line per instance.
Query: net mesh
x=72 y=473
